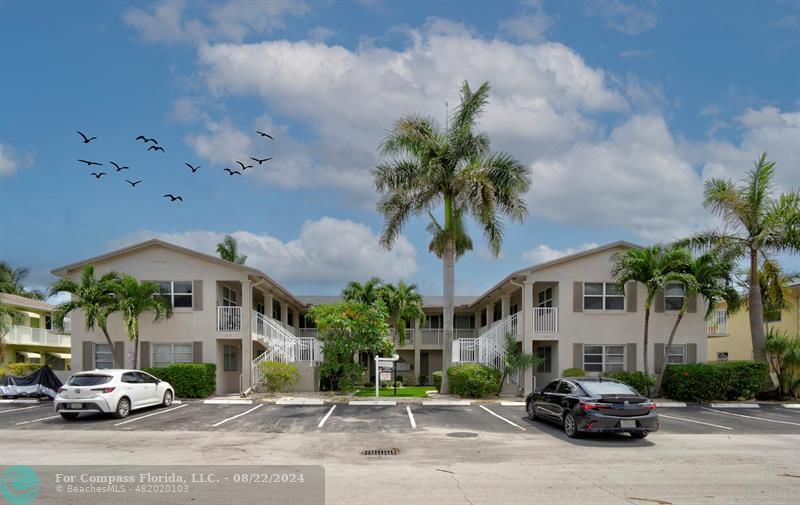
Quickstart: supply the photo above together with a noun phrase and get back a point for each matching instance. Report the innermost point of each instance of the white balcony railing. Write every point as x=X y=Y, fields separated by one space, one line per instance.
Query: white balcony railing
x=229 y=318
x=545 y=319
x=308 y=333
x=717 y=324
x=23 y=335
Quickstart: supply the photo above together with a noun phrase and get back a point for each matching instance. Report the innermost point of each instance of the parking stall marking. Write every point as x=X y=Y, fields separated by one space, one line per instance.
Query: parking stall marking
x=693 y=421
x=751 y=417
x=512 y=423
x=322 y=423
x=151 y=415
x=411 y=417
x=36 y=420
x=237 y=415
x=21 y=408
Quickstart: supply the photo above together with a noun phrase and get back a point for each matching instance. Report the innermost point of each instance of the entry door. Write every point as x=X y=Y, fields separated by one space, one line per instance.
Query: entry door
x=423 y=365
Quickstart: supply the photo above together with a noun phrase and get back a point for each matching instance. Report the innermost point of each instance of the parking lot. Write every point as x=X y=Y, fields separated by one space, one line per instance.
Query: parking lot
x=402 y=418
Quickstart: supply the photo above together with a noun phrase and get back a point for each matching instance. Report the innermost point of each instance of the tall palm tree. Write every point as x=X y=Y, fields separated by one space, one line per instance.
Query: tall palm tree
x=12 y=281
x=228 y=250
x=94 y=297
x=426 y=166
x=405 y=305
x=652 y=266
x=757 y=224
x=710 y=277
x=134 y=298
x=462 y=240
x=776 y=290
x=368 y=293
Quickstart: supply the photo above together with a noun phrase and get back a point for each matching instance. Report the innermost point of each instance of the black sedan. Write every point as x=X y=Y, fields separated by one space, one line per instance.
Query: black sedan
x=593 y=405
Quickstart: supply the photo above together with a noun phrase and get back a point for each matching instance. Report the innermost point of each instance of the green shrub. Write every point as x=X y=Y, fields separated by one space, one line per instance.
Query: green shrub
x=19 y=369
x=190 y=380
x=637 y=380
x=437 y=380
x=473 y=380
x=409 y=380
x=279 y=376
x=703 y=382
x=573 y=372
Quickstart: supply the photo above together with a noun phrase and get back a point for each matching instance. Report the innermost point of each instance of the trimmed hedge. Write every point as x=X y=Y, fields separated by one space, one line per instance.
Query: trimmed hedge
x=637 y=380
x=704 y=382
x=190 y=380
x=473 y=380
x=437 y=379
x=19 y=369
x=573 y=372
x=279 y=376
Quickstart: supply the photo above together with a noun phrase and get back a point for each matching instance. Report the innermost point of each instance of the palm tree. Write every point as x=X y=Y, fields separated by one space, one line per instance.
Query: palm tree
x=757 y=224
x=405 y=305
x=134 y=299
x=426 y=166
x=95 y=297
x=710 y=277
x=463 y=242
x=652 y=266
x=8 y=316
x=516 y=360
x=12 y=281
x=776 y=290
x=228 y=250
x=367 y=293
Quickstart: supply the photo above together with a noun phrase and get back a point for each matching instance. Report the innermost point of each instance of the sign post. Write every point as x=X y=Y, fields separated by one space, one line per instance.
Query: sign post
x=388 y=363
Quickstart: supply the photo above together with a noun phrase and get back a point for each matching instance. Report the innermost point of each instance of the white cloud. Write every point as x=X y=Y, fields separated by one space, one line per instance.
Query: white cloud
x=531 y=24
x=320 y=34
x=11 y=161
x=543 y=252
x=327 y=252
x=222 y=144
x=186 y=110
x=764 y=117
x=631 y=17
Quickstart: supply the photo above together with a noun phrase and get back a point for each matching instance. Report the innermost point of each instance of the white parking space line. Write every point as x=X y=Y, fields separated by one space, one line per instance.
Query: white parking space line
x=791 y=405
x=37 y=420
x=237 y=415
x=223 y=401
x=736 y=405
x=752 y=417
x=150 y=415
x=17 y=402
x=322 y=423
x=21 y=408
x=411 y=417
x=696 y=422
x=509 y=421
x=512 y=404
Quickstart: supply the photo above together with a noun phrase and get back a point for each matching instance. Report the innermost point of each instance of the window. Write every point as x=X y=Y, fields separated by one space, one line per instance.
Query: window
x=545 y=355
x=177 y=293
x=230 y=358
x=545 y=298
x=88 y=380
x=146 y=378
x=290 y=317
x=483 y=318
x=103 y=356
x=565 y=388
x=433 y=321
x=131 y=378
x=602 y=296
x=167 y=354
x=229 y=297
x=674 y=293
x=608 y=388
x=604 y=358
x=461 y=322
x=722 y=356
x=551 y=388
x=677 y=355
x=497 y=312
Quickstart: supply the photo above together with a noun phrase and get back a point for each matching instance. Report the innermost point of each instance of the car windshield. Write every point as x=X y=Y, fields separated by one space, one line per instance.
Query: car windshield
x=607 y=388
x=88 y=380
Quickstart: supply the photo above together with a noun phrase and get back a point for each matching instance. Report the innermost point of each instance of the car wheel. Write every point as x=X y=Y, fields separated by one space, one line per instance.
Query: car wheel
x=123 y=408
x=639 y=434
x=69 y=416
x=571 y=426
x=167 y=398
x=531 y=408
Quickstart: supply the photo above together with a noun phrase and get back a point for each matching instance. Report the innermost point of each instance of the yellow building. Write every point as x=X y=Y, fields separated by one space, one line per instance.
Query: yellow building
x=738 y=345
x=33 y=339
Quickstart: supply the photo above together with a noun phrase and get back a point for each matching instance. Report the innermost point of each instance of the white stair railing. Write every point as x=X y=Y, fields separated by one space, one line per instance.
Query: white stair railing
x=489 y=348
x=282 y=345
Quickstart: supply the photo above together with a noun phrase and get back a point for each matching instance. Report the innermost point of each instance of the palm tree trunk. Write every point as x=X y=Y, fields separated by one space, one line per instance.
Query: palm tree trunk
x=136 y=351
x=449 y=261
x=104 y=329
x=666 y=352
x=756 y=311
x=646 y=338
x=502 y=380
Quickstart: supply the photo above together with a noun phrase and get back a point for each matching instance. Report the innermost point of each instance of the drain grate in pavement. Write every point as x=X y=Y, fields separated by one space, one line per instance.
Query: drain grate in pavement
x=380 y=452
x=462 y=434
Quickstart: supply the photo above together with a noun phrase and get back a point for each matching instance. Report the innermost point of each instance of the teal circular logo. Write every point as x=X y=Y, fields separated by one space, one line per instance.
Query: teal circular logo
x=20 y=485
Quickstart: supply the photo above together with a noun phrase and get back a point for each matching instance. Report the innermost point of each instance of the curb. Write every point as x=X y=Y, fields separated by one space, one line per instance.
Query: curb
x=512 y=404
x=791 y=405
x=20 y=402
x=736 y=405
x=300 y=401
x=666 y=405
x=227 y=402
x=372 y=402
x=446 y=403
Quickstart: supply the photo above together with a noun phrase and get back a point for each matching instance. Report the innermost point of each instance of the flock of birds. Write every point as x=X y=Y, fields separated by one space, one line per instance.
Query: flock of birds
x=156 y=147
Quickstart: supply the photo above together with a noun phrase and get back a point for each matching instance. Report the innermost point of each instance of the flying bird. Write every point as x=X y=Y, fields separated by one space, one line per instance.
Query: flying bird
x=194 y=169
x=119 y=168
x=260 y=161
x=244 y=167
x=90 y=163
x=86 y=139
x=146 y=140
x=265 y=135
x=133 y=184
x=231 y=172
x=97 y=176
x=172 y=197
x=155 y=148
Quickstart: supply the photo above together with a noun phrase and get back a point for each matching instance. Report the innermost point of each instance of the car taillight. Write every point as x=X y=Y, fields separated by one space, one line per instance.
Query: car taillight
x=587 y=406
x=104 y=390
x=649 y=405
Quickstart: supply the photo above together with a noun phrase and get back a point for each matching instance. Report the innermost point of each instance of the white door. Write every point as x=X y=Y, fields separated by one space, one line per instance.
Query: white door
x=149 y=388
x=134 y=389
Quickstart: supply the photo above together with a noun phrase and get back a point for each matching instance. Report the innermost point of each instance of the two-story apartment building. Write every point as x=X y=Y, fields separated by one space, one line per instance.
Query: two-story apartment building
x=32 y=339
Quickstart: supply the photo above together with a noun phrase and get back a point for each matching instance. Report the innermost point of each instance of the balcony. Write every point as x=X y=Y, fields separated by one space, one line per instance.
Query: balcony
x=409 y=340
x=717 y=323
x=229 y=319
x=23 y=335
x=545 y=319
x=434 y=337
x=308 y=333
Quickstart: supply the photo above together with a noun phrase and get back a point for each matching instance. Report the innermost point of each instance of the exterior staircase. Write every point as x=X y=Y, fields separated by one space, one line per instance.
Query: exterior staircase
x=489 y=348
x=282 y=345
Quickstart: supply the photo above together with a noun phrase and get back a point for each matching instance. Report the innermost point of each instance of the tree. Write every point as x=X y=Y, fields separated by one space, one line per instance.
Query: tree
x=368 y=293
x=94 y=297
x=710 y=277
x=12 y=281
x=426 y=166
x=516 y=360
x=784 y=358
x=134 y=298
x=757 y=224
x=228 y=250
x=405 y=306
x=652 y=266
x=776 y=289
x=8 y=317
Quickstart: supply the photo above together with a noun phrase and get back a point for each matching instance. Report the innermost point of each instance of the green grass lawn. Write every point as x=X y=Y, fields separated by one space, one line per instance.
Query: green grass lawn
x=406 y=391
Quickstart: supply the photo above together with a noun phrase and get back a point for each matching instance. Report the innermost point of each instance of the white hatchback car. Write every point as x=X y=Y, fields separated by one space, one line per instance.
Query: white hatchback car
x=114 y=392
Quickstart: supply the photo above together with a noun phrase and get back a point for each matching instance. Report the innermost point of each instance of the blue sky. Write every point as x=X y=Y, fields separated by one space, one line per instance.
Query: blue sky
x=621 y=109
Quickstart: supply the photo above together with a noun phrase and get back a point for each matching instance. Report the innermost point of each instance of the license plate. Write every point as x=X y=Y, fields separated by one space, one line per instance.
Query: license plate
x=627 y=424
x=75 y=405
